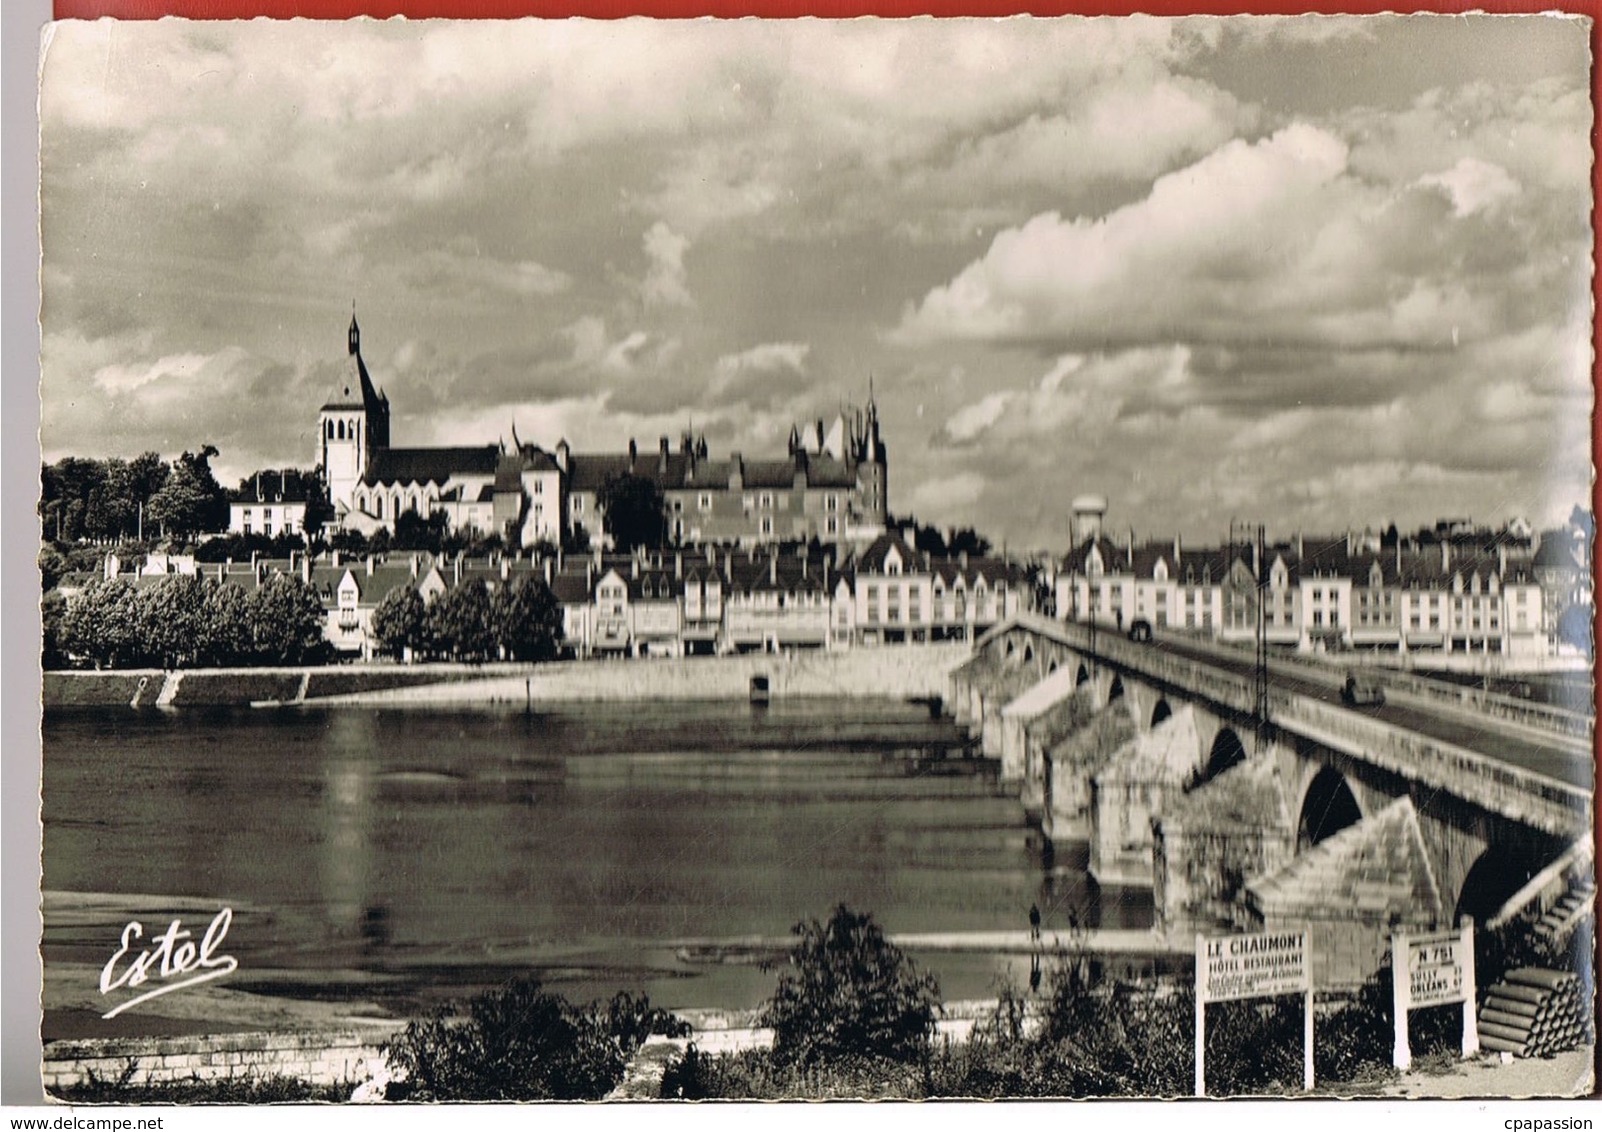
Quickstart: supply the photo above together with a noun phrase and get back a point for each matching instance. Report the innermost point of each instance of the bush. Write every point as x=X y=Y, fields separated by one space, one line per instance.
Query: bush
x=520 y=1043
x=850 y=993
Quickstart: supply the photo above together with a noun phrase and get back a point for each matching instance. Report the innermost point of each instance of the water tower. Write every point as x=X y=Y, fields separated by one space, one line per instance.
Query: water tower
x=1088 y=511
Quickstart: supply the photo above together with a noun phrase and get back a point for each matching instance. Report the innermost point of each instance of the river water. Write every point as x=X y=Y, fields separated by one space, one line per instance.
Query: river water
x=393 y=858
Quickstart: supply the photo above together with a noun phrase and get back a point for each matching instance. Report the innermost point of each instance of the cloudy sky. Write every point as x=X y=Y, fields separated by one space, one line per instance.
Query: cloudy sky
x=1314 y=272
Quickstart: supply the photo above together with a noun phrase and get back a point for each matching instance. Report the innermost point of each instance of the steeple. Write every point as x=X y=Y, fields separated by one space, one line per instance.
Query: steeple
x=355 y=332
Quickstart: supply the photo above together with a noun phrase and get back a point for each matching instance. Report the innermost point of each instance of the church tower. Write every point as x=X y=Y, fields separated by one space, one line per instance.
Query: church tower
x=351 y=426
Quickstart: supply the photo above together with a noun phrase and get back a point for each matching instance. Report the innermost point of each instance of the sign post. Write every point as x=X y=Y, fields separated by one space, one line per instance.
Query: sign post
x=1432 y=970
x=1253 y=966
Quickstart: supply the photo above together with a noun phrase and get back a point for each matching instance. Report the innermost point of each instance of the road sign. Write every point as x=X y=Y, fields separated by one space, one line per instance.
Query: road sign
x=1431 y=970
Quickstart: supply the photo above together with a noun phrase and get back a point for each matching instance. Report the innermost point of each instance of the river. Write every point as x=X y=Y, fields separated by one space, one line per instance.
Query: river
x=387 y=859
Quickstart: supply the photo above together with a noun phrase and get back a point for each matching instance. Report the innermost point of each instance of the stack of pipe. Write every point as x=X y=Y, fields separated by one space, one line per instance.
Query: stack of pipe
x=1534 y=1012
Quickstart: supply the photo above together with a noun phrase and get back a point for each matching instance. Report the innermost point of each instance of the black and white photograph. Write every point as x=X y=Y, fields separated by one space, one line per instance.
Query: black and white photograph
x=785 y=560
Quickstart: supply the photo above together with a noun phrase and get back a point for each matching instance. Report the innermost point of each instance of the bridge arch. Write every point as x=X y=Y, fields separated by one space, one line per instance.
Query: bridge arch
x=1160 y=711
x=1227 y=751
x=1328 y=806
x=1115 y=691
x=1083 y=677
x=1494 y=877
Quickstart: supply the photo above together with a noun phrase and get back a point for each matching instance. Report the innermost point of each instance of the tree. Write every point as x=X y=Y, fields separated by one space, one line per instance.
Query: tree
x=850 y=993
x=172 y=619
x=226 y=635
x=53 y=566
x=397 y=623
x=286 y=621
x=634 y=512
x=966 y=540
x=102 y=625
x=461 y=623
x=523 y=1043
x=191 y=501
x=413 y=532
x=528 y=619
x=52 y=615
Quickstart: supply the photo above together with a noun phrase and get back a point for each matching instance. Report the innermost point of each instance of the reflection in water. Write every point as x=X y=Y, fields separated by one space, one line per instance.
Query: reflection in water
x=407 y=855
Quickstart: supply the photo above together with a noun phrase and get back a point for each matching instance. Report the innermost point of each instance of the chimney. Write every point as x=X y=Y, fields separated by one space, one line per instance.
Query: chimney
x=634 y=453
x=562 y=451
x=456 y=571
x=334 y=558
x=548 y=577
x=589 y=576
x=506 y=569
x=634 y=566
x=414 y=567
x=736 y=471
x=1176 y=551
x=369 y=565
x=773 y=569
x=962 y=560
x=283 y=484
x=305 y=568
x=678 y=565
x=662 y=457
x=222 y=573
x=1300 y=551
x=560 y=556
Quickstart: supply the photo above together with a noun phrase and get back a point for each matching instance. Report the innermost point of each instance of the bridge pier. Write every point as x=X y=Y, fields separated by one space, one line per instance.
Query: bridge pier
x=1133 y=789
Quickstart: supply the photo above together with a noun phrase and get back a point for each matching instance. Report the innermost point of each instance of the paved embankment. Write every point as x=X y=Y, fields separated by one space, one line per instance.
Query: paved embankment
x=895 y=672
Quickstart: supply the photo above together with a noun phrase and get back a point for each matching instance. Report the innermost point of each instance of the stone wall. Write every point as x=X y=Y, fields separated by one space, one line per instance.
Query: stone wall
x=322 y=1058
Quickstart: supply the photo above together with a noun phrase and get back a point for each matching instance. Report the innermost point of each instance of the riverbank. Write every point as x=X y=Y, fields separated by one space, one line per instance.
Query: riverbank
x=897 y=672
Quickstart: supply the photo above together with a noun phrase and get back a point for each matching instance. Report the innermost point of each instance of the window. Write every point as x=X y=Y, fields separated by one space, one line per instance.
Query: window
x=767 y=524
x=831 y=503
x=832 y=525
x=765 y=501
x=578 y=505
x=704 y=501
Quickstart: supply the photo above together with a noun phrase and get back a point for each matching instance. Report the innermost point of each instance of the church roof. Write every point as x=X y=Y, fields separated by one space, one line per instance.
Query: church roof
x=430 y=465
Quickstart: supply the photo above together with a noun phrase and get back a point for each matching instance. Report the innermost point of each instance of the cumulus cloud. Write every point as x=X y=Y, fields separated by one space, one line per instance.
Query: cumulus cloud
x=1473 y=185
x=664 y=283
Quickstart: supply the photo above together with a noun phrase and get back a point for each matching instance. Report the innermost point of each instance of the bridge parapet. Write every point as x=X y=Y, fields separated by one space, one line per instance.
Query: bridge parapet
x=1533 y=799
x=1538 y=801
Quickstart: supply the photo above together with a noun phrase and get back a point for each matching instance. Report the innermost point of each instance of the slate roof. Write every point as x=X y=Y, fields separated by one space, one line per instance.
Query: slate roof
x=430 y=465
x=270 y=487
x=681 y=470
x=1374 y=869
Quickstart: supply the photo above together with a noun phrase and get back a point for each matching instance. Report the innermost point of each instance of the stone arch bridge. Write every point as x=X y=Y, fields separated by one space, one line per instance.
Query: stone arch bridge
x=1355 y=821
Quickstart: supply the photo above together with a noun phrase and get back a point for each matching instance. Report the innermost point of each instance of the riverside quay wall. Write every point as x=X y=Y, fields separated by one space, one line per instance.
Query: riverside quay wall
x=897 y=672
x=320 y=1058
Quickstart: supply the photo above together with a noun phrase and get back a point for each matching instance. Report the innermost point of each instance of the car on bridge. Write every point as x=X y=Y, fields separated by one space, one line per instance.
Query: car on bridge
x=1363 y=689
x=1140 y=630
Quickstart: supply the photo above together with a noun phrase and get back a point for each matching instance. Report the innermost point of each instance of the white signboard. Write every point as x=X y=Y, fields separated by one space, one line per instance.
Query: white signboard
x=1432 y=970
x=1252 y=966
x=1435 y=969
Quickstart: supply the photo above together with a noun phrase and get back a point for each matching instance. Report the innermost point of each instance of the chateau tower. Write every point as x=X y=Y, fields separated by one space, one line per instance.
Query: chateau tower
x=873 y=466
x=351 y=426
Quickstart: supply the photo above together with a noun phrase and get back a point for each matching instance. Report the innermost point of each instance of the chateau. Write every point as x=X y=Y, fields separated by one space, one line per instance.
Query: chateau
x=832 y=484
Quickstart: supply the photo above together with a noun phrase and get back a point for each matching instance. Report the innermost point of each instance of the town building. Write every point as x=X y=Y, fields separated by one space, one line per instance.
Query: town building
x=831 y=487
x=1316 y=595
x=269 y=503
